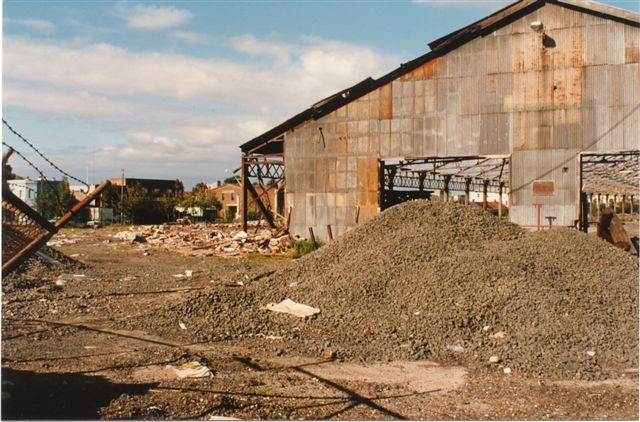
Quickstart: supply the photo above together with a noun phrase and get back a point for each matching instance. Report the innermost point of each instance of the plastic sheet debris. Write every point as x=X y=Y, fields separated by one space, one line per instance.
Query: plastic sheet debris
x=457 y=348
x=288 y=306
x=272 y=337
x=182 y=325
x=63 y=278
x=191 y=370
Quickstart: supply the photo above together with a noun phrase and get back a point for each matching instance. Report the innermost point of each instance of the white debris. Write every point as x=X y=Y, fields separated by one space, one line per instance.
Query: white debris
x=506 y=370
x=458 y=348
x=498 y=335
x=188 y=273
x=130 y=236
x=191 y=370
x=271 y=337
x=591 y=353
x=486 y=328
x=494 y=359
x=182 y=325
x=288 y=306
x=240 y=235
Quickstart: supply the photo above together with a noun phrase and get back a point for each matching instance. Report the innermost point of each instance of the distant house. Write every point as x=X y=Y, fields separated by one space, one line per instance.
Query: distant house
x=28 y=189
x=96 y=210
x=230 y=196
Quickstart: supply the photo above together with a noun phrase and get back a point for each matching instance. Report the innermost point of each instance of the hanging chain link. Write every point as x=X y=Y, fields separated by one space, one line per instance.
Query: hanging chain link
x=43 y=157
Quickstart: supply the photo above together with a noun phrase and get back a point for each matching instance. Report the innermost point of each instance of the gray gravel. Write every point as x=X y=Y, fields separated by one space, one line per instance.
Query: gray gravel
x=427 y=280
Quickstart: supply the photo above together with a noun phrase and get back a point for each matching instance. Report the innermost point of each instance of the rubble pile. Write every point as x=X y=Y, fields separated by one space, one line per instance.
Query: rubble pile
x=208 y=239
x=438 y=281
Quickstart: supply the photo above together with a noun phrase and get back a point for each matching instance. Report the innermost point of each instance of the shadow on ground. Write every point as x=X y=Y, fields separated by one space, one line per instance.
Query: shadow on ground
x=32 y=395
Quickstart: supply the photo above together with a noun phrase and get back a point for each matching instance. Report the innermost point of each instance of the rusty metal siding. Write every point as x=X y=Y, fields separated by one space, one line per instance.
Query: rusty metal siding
x=505 y=93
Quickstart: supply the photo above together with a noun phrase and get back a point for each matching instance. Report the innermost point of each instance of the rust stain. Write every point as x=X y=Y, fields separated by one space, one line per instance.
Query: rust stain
x=518 y=60
x=632 y=54
x=576 y=53
x=543 y=187
x=386 y=108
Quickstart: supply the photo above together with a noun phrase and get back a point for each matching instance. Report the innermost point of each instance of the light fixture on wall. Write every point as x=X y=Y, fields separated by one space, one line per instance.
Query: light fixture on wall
x=537 y=26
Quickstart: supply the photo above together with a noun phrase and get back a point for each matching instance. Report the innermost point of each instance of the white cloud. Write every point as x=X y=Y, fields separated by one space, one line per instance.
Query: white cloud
x=319 y=68
x=253 y=46
x=140 y=16
x=173 y=115
x=35 y=24
x=190 y=37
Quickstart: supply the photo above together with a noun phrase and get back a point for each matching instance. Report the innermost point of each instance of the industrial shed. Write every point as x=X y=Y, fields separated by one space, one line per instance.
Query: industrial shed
x=538 y=101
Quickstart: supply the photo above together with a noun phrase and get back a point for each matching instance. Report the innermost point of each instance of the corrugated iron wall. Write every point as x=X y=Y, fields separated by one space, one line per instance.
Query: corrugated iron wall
x=541 y=97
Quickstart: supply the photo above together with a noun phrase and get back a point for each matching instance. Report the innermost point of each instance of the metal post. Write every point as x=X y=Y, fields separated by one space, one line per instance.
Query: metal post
x=467 y=191
x=329 y=233
x=538 y=209
x=500 y=200
x=484 y=194
x=591 y=205
x=447 y=179
x=624 y=202
x=313 y=238
x=245 y=182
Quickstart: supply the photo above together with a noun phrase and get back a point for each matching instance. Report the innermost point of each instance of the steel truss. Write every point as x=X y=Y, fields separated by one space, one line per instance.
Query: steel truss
x=263 y=168
x=452 y=174
x=611 y=173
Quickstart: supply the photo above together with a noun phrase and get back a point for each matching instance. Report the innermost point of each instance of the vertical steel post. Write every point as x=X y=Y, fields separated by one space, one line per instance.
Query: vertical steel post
x=467 y=191
x=447 y=179
x=500 y=199
x=245 y=181
x=484 y=194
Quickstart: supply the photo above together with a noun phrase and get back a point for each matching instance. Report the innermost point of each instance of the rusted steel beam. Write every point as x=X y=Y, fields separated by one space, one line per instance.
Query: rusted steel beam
x=80 y=205
x=26 y=253
x=258 y=201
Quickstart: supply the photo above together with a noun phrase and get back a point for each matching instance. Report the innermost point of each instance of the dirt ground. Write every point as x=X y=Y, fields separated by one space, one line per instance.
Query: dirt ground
x=64 y=358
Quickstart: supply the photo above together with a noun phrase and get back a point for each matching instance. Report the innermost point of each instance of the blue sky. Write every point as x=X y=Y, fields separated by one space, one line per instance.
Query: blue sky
x=171 y=89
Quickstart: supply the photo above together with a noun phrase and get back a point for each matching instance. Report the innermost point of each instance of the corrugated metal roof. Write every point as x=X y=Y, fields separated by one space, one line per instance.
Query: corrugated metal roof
x=439 y=47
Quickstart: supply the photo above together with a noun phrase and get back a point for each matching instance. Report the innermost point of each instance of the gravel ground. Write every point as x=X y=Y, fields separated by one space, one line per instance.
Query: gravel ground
x=439 y=281
x=61 y=342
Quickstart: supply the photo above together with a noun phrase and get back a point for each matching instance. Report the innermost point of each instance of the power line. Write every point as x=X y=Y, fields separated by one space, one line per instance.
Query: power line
x=42 y=155
x=53 y=188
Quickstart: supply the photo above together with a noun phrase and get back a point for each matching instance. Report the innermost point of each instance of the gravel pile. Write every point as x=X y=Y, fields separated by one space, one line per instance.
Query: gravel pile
x=37 y=272
x=440 y=281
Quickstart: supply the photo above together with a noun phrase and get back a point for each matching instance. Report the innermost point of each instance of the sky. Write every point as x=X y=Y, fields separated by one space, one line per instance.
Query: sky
x=170 y=89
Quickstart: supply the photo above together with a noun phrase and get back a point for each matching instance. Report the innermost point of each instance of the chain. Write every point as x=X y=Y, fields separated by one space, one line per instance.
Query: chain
x=54 y=188
x=45 y=158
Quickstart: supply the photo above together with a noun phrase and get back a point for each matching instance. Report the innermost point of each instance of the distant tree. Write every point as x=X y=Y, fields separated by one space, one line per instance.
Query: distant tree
x=200 y=187
x=200 y=196
x=54 y=201
x=231 y=180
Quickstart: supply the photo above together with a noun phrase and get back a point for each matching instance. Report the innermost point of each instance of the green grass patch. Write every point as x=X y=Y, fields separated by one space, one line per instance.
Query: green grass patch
x=300 y=248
